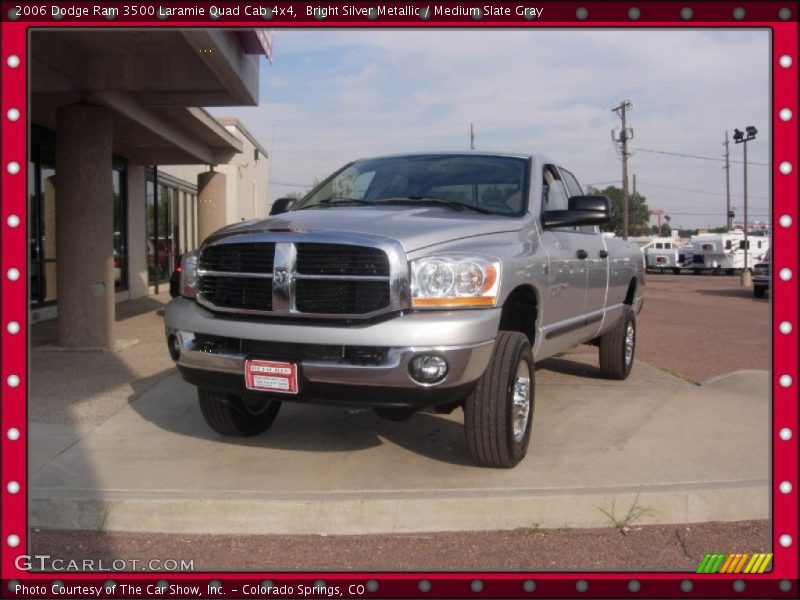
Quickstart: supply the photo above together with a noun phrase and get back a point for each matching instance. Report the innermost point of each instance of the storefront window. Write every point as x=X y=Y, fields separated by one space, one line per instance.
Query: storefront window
x=162 y=229
x=120 y=228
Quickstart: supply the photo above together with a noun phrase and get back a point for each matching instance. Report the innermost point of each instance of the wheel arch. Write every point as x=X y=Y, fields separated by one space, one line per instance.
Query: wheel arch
x=521 y=312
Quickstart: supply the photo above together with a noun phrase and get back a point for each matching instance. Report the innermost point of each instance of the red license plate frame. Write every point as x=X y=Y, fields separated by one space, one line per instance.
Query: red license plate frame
x=270 y=376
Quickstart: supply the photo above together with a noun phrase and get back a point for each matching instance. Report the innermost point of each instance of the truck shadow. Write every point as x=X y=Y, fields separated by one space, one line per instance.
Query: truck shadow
x=564 y=366
x=315 y=428
x=743 y=292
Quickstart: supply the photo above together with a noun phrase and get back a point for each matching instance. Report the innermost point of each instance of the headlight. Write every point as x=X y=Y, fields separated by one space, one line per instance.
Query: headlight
x=189 y=274
x=452 y=280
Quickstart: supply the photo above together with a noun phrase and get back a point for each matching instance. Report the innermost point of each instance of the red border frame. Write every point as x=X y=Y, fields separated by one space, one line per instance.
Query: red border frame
x=393 y=585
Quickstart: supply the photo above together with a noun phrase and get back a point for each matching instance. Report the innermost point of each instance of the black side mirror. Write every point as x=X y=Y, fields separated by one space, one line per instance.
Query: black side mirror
x=583 y=210
x=590 y=203
x=282 y=205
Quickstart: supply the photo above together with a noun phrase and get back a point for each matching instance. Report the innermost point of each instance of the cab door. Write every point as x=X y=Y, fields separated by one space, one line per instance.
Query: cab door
x=563 y=320
x=592 y=242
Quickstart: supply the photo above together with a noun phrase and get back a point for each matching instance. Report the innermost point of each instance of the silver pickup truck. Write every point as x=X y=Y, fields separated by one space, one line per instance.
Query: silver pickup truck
x=405 y=282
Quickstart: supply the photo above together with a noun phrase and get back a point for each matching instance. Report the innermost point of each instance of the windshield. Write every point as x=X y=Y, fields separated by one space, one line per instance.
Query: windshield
x=487 y=184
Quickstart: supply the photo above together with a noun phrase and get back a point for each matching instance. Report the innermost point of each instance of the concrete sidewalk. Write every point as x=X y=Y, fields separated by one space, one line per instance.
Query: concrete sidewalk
x=653 y=449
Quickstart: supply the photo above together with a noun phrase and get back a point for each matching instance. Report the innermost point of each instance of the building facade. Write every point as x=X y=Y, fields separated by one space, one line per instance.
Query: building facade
x=111 y=112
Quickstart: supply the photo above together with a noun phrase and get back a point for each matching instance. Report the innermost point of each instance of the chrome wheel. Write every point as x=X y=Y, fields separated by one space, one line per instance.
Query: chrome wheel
x=521 y=400
x=630 y=339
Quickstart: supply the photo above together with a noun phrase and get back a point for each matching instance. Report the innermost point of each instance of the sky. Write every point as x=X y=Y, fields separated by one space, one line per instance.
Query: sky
x=331 y=96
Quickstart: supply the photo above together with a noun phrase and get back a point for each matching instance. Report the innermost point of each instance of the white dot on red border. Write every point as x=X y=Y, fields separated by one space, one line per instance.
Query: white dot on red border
x=12 y=221
x=13 y=274
x=785 y=220
x=12 y=381
x=785 y=328
x=13 y=540
x=785 y=487
x=785 y=434
x=785 y=540
x=785 y=274
x=785 y=61
x=12 y=114
x=13 y=487
x=13 y=167
x=785 y=381
x=13 y=61
x=785 y=114
x=13 y=328
x=785 y=167
x=13 y=434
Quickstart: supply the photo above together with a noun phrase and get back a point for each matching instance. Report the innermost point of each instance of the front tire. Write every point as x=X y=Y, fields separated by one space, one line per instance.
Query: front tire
x=240 y=416
x=618 y=347
x=499 y=411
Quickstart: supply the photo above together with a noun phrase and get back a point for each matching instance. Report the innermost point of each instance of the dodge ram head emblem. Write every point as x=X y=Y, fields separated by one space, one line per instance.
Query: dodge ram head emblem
x=281 y=275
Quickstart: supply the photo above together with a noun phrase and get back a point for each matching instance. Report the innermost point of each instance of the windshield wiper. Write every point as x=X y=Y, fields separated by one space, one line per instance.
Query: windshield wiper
x=327 y=202
x=440 y=201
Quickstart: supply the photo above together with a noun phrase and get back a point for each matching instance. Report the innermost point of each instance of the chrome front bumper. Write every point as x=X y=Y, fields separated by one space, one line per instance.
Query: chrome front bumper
x=465 y=339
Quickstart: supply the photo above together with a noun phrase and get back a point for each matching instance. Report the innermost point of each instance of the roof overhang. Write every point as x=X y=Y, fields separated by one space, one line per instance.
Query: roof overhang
x=154 y=81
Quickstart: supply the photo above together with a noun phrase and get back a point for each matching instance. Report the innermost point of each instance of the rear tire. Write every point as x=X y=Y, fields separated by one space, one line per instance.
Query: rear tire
x=240 y=416
x=759 y=291
x=618 y=347
x=499 y=411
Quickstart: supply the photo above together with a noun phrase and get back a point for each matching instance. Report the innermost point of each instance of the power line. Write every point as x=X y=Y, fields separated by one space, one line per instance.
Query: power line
x=669 y=187
x=696 y=156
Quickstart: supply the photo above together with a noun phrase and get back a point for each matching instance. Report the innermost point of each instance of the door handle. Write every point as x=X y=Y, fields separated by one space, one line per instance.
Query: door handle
x=581 y=254
x=603 y=254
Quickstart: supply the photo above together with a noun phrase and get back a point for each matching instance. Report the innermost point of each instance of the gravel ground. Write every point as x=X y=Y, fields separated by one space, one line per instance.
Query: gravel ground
x=662 y=547
x=701 y=326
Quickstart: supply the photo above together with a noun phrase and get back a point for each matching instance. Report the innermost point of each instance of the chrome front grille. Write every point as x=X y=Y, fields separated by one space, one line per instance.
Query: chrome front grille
x=297 y=279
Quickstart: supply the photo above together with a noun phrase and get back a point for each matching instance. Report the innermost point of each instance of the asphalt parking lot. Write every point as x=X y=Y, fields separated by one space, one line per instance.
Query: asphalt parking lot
x=133 y=399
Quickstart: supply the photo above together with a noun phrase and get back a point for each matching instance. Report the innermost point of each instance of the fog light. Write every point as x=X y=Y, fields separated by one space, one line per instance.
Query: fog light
x=428 y=368
x=174 y=347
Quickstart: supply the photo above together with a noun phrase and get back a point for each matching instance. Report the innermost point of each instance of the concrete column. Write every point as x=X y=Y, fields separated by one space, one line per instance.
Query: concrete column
x=137 y=231
x=85 y=226
x=211 y=203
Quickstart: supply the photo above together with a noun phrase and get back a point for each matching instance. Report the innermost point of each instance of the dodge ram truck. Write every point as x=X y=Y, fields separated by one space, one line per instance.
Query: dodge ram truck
x=408 y=282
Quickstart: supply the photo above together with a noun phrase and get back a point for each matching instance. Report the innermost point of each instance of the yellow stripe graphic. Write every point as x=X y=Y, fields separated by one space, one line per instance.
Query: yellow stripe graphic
x=754 y=562
x=727 y=563
x=739 y=566
x=764 y=564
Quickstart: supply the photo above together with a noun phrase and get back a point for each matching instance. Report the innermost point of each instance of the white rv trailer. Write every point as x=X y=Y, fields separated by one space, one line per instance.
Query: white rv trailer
x=718 y=252
x=663 y=253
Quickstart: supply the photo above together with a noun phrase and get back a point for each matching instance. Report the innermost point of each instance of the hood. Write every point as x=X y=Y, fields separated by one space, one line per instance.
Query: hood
x=414 y=228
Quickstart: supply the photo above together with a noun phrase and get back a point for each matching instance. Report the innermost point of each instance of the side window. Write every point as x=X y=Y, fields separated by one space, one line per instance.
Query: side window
x=728 y=245
x=574 y=189
x=553 y=190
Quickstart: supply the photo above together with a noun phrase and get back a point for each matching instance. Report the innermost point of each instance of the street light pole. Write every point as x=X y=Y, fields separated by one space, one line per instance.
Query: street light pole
x=739 y=138
x=746 y=280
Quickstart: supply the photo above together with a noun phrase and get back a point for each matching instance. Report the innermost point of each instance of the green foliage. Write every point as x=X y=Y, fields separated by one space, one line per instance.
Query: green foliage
x=666 y=230
x=638 y=211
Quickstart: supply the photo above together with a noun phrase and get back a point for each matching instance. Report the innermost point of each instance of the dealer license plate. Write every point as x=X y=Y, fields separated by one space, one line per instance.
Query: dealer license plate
x=269 y=376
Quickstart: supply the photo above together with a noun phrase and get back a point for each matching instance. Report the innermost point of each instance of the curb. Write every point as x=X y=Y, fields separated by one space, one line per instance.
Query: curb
x=402 y=512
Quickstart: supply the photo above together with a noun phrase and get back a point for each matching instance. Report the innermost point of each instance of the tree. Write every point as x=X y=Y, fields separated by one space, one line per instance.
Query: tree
x=666 y=230
x=638 y=212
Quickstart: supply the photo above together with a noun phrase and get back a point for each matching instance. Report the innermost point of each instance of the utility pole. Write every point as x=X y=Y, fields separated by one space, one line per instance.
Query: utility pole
x=623 y=139
x=471 y=137
x=727 y=168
